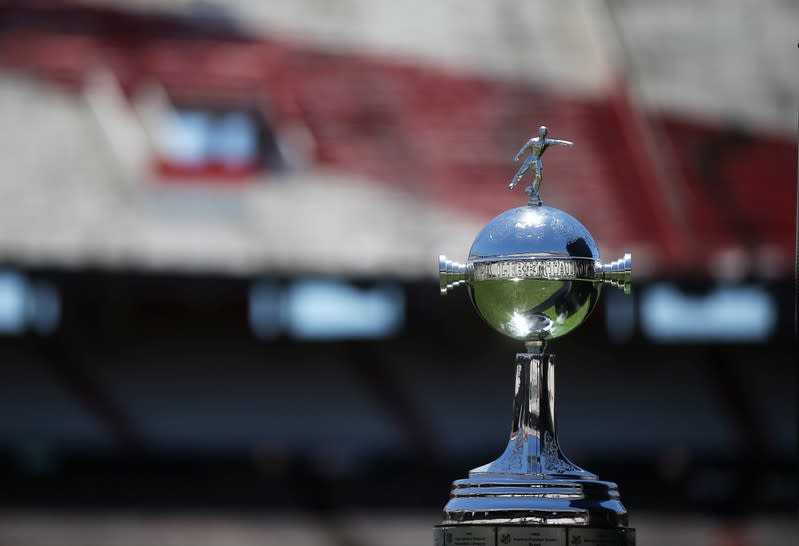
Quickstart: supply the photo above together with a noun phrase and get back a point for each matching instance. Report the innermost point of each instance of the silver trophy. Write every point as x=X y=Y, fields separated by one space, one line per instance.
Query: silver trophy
x=534 y=274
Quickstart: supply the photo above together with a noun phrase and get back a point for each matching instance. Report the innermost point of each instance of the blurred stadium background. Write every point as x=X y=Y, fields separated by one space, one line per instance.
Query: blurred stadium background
x=219 y=224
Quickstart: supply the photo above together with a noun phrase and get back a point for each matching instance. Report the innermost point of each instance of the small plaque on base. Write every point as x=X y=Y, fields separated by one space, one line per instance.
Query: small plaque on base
x=530 y=535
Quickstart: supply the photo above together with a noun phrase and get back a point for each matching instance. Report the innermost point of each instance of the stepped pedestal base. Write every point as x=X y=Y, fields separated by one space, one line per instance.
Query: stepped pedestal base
x=533 y=494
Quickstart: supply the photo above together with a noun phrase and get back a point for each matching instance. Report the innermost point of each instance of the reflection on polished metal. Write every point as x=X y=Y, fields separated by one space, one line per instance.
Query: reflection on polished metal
x=534 y=273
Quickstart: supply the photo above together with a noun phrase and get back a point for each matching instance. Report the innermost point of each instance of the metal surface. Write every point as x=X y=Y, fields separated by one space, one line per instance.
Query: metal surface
x=533 y=482
x=534 y=274
x=537 y=146
x=534 y=302
x=533 y=448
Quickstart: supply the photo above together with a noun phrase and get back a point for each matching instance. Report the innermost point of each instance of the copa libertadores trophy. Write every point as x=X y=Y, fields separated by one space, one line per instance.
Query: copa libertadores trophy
x=534 y=274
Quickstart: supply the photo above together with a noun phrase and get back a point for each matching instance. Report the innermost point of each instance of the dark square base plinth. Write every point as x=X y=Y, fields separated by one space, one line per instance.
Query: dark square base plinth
x=530 y=535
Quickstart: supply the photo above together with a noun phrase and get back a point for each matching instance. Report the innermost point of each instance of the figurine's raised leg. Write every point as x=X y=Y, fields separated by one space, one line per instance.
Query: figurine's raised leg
x=521 y=172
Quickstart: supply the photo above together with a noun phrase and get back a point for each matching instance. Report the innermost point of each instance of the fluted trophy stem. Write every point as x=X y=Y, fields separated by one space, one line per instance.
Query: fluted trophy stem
x=533 y=450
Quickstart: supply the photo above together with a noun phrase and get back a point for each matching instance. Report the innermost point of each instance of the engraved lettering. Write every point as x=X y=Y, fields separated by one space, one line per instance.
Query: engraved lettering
x=531 y=536
x=545 y=269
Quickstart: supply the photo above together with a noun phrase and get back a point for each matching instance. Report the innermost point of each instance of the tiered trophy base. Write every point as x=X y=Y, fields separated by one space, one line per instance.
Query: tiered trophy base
x=531 y=535
x=486 y=510
x=533 y=494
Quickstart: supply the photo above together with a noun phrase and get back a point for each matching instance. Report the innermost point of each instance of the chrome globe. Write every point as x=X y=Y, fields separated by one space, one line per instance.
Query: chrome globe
x=534 y=309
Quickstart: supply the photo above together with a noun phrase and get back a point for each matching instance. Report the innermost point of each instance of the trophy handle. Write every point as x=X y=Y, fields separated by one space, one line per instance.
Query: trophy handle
x=619 y=273
x=450 y=274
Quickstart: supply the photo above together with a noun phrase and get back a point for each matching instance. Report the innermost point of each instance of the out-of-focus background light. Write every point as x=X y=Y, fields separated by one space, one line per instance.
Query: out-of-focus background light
x=26 y=306
x=726 y=314
x=316 y=309
x=219 y=225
